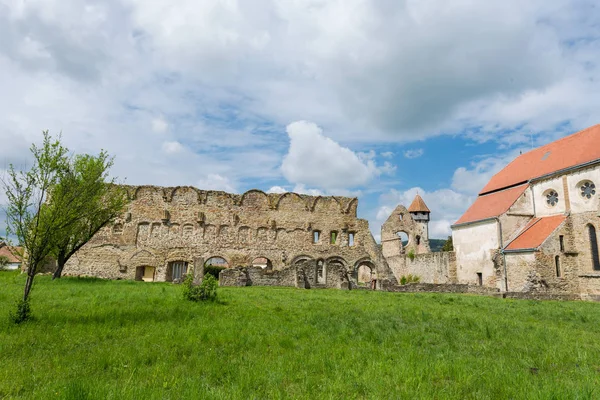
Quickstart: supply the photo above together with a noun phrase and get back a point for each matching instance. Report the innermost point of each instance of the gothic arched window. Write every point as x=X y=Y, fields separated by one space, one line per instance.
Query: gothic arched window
x=594 y=247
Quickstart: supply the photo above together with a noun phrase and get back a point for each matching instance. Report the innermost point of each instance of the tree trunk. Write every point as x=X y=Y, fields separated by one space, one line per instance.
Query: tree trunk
x=60 y=266
x=28 y=283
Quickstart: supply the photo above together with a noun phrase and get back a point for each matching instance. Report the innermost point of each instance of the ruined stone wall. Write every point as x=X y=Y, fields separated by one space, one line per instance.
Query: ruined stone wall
x=439 y=267
x=402 y=221
x=167 y=224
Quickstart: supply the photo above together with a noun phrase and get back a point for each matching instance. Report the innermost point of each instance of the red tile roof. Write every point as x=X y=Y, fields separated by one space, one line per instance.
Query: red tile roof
x=492 y=205
x=418 y=205
x=12 y=253
x=536 y=232
x=576 y=149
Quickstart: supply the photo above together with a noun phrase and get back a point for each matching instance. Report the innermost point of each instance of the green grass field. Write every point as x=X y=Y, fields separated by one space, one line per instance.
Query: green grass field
x=94 y=339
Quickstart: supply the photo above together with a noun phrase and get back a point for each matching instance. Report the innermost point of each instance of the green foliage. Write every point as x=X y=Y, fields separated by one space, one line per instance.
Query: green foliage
x=205 y=291
x=411 y=254
x=89 y=198
x=22 y=312
x=28 y=214
x=448 y=245
x=409 y=279
x=285 y=343
x=4 y=261
x=213 y=270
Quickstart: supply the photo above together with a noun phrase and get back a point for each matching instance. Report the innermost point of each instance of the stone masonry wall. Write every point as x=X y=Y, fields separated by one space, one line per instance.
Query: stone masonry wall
x=439 y=267
x=162 y=225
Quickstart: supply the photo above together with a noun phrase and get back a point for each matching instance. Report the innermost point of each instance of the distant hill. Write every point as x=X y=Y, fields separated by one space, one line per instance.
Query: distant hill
x=436 y=244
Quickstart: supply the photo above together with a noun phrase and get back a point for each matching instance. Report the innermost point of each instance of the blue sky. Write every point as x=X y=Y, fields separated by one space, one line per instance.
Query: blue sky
x=378 y=99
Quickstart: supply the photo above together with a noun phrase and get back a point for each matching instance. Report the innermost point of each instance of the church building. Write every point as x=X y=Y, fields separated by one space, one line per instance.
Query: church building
x=534 y=226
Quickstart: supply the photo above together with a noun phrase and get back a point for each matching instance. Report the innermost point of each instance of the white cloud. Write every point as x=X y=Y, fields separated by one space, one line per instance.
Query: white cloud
x=446 y=207
x=413 y=153
x=276 y=189
x=472 y=180
x=160 y=125
x=301 y=189
x=172 y=147
x=387 y=154
x=216 y=182
x=316 y=160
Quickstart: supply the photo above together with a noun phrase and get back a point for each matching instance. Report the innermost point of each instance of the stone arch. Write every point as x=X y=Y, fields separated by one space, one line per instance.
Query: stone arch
x=185 y=195
x=216 y=257
x=337 y=260
x=361 y=274
x=301 y=258
x=255 y=200
x=144 y=257
x=291 y=202
x=352 y=206
x=149 y=195
x=244 y=234
x=262 y=234
x=326 y=205
x=143 y=232
x=219 y=199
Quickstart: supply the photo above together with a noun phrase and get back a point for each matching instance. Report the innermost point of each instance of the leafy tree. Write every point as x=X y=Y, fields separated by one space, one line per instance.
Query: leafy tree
x=3 y=262
x=448 y=245
x=29 y=218
x=90 y=202
x=56 y=206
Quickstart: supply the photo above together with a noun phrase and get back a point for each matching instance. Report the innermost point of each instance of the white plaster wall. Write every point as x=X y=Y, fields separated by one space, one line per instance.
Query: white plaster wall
x=581 y=204
x=539 y=191
x=473 y=245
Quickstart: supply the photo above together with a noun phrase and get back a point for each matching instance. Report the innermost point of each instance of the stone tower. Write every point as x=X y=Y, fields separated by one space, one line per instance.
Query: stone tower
x=420 y=214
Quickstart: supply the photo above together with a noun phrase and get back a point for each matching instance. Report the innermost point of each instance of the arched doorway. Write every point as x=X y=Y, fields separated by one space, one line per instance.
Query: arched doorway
x=214 y=265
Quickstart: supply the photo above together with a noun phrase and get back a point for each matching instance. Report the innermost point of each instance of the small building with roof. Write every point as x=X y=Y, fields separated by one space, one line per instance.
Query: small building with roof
x=13 y=255
x=534 y=225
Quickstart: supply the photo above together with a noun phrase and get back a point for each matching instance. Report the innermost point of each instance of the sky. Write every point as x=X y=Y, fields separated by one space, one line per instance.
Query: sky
x=379 y=99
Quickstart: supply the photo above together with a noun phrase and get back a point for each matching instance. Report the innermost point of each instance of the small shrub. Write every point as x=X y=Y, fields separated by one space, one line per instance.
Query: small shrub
x=207 y=290
x=409 y=279
x=22 y=313
x=213 y=270
x=411 y=254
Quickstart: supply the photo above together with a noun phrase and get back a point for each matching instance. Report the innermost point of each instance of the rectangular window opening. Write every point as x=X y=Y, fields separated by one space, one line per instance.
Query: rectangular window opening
x=557 y=264
x=351 y=239
x=480 y=279
x=333 y=238
x=316 y=236
x=561 y=241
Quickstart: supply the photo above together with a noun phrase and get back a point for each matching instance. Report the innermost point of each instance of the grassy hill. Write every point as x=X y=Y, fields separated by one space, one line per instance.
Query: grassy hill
x=94 y=339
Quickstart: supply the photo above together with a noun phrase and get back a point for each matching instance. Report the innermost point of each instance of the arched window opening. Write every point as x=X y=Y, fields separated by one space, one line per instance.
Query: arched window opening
x=350 y=238
x=557 y=265
x=418 y=240
x=364 y=274
x=404 y=239
x=320 y=272
x=176 y=271
x=594 y=247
